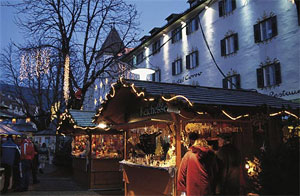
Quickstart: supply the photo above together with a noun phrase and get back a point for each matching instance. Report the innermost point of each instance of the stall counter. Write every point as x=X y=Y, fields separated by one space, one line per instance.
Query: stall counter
x=147 y=180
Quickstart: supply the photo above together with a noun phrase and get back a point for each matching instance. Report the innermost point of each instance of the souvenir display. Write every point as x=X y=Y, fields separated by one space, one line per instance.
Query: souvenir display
x=151 y=146
x=80 y=146
x=103 y=146
x=107 y=146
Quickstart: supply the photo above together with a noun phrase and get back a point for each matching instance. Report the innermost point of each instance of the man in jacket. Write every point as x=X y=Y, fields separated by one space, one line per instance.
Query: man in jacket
x=10 y=153
x=27 y=155
x=197 y=170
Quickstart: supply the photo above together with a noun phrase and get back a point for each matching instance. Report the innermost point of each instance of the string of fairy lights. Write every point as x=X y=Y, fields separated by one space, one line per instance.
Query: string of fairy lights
x=175 y=97
x=34 y=64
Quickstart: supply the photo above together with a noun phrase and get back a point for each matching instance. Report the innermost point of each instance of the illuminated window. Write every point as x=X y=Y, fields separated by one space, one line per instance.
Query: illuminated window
x=232 y=82
x=140 y=57
x=177 y=67
x=226 y=6
x=192 y=25
x=265 y=29
x=229 y=44
x=176 y=35
x=156 y=47
x=268 y=75
x=192 y=60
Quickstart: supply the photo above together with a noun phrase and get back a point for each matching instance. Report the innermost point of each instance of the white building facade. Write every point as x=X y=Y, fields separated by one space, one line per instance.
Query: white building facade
x=255 y=44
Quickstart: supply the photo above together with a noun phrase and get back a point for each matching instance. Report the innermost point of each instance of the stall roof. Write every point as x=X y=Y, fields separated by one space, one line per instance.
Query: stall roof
x=126 y=95
x=83 y=118
x=212 y=96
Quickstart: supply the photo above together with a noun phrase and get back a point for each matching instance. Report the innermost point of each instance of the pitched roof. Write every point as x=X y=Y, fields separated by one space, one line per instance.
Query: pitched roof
x=213 y=96
x=83 y=118
x=113 y=43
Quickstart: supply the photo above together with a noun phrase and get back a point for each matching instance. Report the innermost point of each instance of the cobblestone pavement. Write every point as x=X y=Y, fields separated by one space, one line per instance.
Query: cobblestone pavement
x=58 y=182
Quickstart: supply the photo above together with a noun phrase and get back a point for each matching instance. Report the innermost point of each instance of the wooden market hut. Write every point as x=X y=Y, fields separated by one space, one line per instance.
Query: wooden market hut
x=95 y=163
x=134 y=104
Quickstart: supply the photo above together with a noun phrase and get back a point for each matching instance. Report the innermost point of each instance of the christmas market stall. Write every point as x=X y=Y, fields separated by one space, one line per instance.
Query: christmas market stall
x=157 y=118
x=96 y=151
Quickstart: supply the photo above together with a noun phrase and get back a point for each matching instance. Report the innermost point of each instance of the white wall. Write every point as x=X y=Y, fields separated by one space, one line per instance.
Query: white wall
x=284 y=47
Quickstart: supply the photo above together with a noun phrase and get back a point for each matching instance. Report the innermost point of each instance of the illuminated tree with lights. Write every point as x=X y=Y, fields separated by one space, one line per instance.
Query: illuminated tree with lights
x=77 y=29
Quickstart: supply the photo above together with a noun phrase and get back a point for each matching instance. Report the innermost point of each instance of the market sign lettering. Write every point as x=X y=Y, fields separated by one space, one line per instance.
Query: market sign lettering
x=284 y=93
x=153 y=109
x=188 y=77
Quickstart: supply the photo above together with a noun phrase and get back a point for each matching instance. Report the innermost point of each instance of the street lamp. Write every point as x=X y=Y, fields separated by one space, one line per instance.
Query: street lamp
x=142 y=72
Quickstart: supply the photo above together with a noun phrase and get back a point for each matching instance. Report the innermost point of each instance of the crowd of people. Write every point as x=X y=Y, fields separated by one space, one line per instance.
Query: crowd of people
x=20 y=161
x=205 y=171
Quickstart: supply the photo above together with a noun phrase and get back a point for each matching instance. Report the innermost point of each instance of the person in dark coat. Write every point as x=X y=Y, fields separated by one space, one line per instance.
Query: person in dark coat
x=229 y=158
x=35 y=163
x=10 y=153
x=197 y=170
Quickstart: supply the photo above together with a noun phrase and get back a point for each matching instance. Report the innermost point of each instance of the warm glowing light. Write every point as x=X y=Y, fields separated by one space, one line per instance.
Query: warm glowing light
x=234 y=118
x=177 y=96
x=102 y=125
x=14 y=120
x=27 y=120
x=143 y=72
x=247 y=166
x=66 y=78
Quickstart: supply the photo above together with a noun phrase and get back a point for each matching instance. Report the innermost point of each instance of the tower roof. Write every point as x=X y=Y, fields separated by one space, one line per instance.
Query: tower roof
x=113 y=43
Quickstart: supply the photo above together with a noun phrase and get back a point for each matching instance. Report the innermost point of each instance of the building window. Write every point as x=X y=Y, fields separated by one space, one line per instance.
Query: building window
x=177 y=67
x=192 y=60
x=268 y=75
x=140 y=57
x=232 y=82
x=176 y=35
x=229 y=45
x=265 y=29
x=226 y=6
x=192 y=25
x=156 y=47
x=156 y=76
x=132 y=61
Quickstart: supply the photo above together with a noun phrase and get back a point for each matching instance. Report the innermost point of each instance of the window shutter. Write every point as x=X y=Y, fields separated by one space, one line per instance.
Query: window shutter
x=153 y=77
x=236 y=42
x=238 y=81
x=260 y=77
x=223 y=47
x=173 y=68
x=173 y=36
x=159 y=75
x=277 y=73
x=233 y=5
x=197 y=58
x=225 y=83
x=221 y=8
x=274 y=26
x=188 y=64
x=197 y=22
x=180 y=65
x=257 y=33
x=180 y=33
x=188 y=28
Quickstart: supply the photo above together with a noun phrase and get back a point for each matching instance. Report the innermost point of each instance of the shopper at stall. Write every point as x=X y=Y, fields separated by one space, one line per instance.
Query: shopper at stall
x=197 y=170
x=43 y=156
x=231 y=177
x=27 y=155
x=10 y=155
